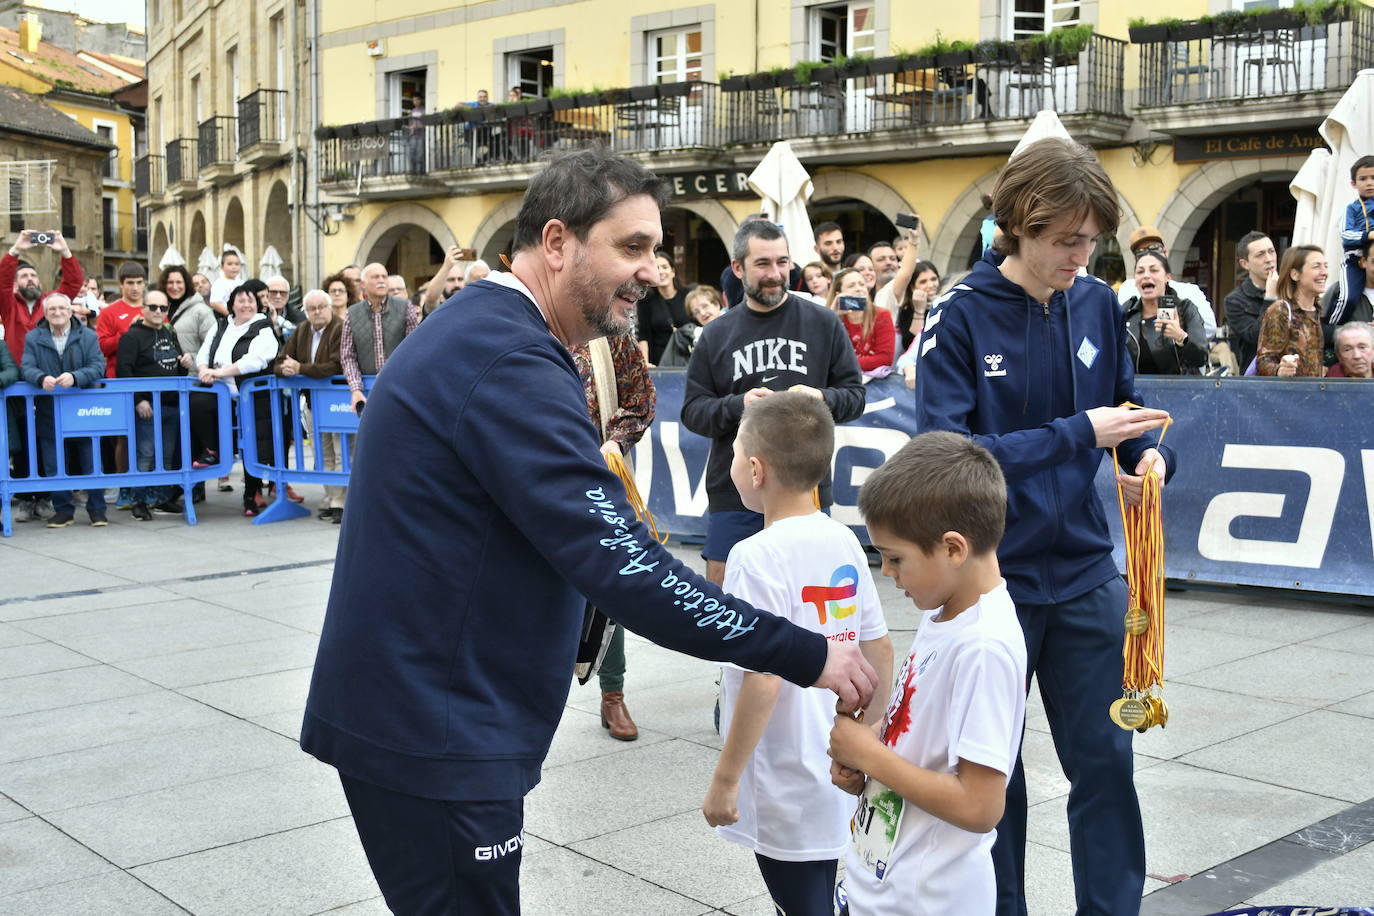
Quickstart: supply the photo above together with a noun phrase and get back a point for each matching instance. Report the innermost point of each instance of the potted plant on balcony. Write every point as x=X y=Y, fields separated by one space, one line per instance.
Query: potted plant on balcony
x=760 y=81
x=813 y=71
x=854 y=67
x=539 y=106
x=590 y=99
x=883 y=66
x=731 y=82
x=1142 y=32
x=1193 y=30
x=643 y=93
x=784 y=77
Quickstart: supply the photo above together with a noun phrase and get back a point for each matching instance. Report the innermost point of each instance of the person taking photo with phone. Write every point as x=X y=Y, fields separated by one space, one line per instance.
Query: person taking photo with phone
x=1167 y=336
x=870 y=328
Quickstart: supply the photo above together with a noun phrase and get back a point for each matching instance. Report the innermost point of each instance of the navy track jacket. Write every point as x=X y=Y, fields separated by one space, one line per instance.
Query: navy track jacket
x=1018 y=377
x=480 y=511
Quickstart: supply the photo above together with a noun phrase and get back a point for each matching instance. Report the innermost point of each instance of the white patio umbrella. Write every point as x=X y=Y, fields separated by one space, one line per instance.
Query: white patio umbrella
x=208 y=264
x=171 y=258
x=782 y=182
x=1046 y=124
x=1307 y=187
x=1349 y=131
x=269 y=268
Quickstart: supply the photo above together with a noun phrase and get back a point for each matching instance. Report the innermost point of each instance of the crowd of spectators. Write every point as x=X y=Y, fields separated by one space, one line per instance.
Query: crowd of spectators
x=1291 y=314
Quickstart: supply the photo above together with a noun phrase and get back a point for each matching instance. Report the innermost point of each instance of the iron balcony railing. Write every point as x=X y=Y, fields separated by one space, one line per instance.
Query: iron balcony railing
x=216 y=142
x=673 y=116
x=960 y=88
x=262 y=117
x=1278 y=54
x=181 y=161
x=148 y=176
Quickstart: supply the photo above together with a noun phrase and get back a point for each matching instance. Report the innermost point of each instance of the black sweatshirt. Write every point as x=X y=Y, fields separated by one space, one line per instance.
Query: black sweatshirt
x=797 y=343
x=146 y=352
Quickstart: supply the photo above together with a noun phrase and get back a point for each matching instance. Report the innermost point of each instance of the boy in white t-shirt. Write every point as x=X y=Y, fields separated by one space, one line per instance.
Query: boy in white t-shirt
x=932 y=784
x=771 y=790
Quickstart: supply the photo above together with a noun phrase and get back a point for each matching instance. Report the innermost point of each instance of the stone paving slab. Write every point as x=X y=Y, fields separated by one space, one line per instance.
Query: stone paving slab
x=1265 y=692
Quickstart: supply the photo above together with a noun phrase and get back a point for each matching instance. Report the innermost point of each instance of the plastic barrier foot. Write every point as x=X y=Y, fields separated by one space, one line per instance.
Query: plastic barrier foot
x=280 y=510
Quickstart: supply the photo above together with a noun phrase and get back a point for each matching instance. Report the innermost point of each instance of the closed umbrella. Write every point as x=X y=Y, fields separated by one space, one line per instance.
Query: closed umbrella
x=1349 y=131
x=1046 y=124
x=171 y=258
x=208 y=264
x=1306 y=187
x=269 y=268
x=785 y=187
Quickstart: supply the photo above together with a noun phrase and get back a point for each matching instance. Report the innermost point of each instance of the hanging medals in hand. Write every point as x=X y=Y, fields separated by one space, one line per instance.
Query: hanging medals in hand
x=1141 y=707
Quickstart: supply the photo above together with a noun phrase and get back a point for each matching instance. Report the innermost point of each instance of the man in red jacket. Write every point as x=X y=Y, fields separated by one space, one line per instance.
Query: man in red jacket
x=21 y=298
x=21 y=307
x=116 y=317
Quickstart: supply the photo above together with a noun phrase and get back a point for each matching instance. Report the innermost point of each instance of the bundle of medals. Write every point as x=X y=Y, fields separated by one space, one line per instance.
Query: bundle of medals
x=1141 y=707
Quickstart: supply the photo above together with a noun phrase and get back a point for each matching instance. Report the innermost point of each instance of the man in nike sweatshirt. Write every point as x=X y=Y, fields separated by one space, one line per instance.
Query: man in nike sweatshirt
x=772 y=341
x=452 y=626
x=1030 y=360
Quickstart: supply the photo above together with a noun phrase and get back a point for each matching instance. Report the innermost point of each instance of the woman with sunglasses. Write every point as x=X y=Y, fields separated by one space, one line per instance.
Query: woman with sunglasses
x=149 y=349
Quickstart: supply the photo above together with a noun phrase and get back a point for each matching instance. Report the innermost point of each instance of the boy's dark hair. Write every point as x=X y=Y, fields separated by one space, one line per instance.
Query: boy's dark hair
x=794 y=433
x=230 y=253
x=1051 y=179
x=580 y=188
x=1364 y=162
x=824 y=228
x=131 y=270
x=938 y=482
x=1246 y=240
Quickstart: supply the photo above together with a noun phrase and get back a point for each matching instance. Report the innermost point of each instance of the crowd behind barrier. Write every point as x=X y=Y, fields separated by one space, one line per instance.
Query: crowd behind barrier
x=82 y=417
x=1277 y=492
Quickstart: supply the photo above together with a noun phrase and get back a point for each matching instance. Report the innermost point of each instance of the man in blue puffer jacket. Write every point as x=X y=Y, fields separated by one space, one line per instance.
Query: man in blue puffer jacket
x=1030 y=360
x=61 y=353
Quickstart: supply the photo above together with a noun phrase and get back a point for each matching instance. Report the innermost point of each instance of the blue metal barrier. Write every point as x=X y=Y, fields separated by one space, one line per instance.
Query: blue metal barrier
x=107 y=410
x=331 y=414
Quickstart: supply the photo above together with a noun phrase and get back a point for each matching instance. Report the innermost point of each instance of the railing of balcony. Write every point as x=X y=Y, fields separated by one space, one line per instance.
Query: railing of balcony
x=673 y=116
x=181 y=161
x=216 y=142
x=1279 y=54
x=262 y=117
x=905 y=93
x=148 y=176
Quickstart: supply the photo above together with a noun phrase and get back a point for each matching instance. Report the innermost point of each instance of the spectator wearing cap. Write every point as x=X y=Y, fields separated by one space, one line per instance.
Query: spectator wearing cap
x=1148 y=238
x=1354 y=351
x=1246 y=304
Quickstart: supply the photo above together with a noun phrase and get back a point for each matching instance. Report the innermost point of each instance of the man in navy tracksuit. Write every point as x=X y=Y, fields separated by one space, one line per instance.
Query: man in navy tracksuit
x=1030 y=359
x=480 y=513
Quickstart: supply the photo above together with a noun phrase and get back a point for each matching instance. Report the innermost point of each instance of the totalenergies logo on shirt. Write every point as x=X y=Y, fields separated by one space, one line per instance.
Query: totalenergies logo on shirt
x=844 y=584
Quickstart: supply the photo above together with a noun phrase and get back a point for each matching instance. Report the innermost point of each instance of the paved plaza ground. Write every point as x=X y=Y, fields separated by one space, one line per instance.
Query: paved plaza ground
x=152 y=679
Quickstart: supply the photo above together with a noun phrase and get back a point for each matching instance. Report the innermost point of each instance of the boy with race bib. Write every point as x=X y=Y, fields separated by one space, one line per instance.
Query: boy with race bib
x=932 y=784
x=771 y=790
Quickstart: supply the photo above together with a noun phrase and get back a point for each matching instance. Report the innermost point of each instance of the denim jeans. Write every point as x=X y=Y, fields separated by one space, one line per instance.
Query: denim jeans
x=147 y=453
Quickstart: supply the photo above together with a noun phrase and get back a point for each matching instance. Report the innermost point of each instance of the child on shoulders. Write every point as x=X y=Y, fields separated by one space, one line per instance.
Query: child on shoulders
x=932 y=783
x=771 y=790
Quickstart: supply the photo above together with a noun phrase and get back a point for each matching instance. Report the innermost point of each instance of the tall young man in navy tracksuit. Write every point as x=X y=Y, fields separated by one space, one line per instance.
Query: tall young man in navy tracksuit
x=453 y=620
x=1030 y=360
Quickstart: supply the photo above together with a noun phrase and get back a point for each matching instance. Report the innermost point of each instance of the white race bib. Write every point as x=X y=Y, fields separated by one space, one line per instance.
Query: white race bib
x=876 y=822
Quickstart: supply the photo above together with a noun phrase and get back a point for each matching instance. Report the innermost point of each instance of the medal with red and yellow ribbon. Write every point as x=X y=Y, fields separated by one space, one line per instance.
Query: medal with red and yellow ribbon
x=1142 y=677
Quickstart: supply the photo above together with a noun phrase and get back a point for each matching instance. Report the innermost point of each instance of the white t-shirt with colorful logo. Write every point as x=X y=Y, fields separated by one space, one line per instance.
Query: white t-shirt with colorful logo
x=811 y=570
x=960 y=693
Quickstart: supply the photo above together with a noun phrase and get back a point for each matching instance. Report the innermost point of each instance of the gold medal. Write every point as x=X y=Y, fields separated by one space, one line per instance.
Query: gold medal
x=1131 y=714
x=1163 y=711
x=1137 y=621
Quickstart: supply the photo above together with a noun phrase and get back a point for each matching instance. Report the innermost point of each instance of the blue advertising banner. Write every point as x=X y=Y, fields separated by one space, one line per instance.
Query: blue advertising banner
x=333 y=410
x=1275 y=487
x=93 y=413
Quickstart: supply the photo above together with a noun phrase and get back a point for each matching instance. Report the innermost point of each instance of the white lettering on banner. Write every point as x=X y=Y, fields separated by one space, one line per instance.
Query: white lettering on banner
x=95 y=412
x=686 y=501
x=887 y=441
x=767 y=354
x=1325 y=470
x=1367 y=460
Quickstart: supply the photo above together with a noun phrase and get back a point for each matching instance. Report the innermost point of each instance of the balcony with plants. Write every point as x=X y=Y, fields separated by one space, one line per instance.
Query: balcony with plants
x=1282 y=67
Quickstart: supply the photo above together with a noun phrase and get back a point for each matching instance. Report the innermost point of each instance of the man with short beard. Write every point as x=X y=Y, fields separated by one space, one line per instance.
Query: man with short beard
x=20 y=311
x=774 y=342
x=484 y=521
x=829 y=245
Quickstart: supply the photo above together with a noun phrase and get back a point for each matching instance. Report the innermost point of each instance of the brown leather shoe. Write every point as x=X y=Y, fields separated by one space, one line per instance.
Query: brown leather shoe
x=616 y=717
